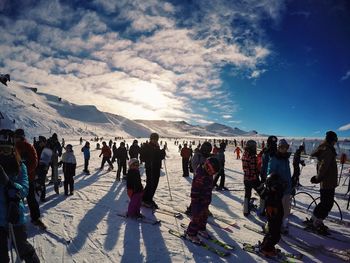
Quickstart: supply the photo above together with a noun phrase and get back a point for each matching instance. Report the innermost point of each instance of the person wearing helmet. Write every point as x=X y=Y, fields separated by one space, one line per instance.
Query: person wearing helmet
x=152 y=156
x=327 y=176
x=279 y=164
x=251 y=173
x=201 y=192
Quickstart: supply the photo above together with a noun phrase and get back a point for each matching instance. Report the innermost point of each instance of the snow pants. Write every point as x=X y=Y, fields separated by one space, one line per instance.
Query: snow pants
x=135 y=203
x=220 y=174
x=42 y=172
x=249 y=185
x=33 y=203
x=68 y=183
x=25 y=249
x=121 y=166
x=152 y=180
x=54 y=168
x=185 y=171
x=86 y=165
x=274 y=218
x=325 y=205
x=199 y=218
x=108 y=160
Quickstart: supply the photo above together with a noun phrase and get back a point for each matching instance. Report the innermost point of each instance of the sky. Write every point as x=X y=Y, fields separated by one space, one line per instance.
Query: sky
x=278 y=67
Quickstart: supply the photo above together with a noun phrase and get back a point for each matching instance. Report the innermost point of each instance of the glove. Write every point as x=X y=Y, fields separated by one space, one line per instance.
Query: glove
x=4 y=179
x=313 y=180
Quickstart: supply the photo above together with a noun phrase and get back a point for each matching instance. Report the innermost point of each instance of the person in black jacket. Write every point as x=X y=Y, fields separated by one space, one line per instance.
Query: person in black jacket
x=296 y=162
x=135 y=188
x=122 y=156
x=152 y=156
x=69 y=165
x=134 y=150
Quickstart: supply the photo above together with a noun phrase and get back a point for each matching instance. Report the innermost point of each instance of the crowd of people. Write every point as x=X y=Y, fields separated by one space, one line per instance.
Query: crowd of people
x=24 y=168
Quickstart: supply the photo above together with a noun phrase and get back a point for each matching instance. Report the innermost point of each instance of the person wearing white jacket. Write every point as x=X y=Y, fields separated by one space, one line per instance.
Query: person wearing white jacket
x=69 y=165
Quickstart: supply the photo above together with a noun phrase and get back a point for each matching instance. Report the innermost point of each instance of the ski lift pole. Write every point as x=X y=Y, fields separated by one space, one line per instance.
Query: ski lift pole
x=167 y=178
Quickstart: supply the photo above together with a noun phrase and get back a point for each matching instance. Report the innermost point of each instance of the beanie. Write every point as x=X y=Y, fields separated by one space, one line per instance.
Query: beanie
x=282 y=143
x=331 y=136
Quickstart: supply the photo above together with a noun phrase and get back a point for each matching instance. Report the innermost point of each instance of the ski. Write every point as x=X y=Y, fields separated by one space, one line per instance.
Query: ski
x=214 y=240
x=142 y=219
x=215 y=224
x=201 y=244
x=168 y=212
x=281 y=256
x=229 y=222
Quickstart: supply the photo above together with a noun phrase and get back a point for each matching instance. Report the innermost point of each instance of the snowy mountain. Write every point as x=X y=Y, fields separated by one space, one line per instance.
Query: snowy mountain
x=26 y=107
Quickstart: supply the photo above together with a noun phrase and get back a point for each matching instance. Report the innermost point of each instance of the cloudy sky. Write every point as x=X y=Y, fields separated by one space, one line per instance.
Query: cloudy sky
x=275 y=66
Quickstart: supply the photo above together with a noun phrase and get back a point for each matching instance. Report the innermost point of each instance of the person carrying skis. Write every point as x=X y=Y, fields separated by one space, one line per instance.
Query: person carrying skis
x=201 y=192
x=122 y=156
x=296 y=171
x=221 y=157
x=14 y=187
x=86 y=153
x=30 y=159
x=152 y=156
x=134 y=150
x=186 y=154
x=69 y=165
x=272 y=193
x=267 y=152
x=238 y=152
x=279 y=164
x=327 y=176
x=251 y=174
x=106 y=154
x=135 y=188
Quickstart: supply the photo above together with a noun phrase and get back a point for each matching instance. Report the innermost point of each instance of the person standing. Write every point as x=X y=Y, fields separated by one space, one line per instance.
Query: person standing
x=186 y=154
x=134 y=150
x=135 y=188
x=221 y=157
x=30 y=159
x=327 y=175
x=238 y=152
x=122 y=156
x=152 y=156
x=69 y=165
x=106 y=154
x=86 y=153
x=279 y=164
x=56 y=153
x=296 y=162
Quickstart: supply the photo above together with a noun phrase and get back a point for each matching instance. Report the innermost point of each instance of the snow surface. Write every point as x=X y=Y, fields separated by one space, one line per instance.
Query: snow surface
x=89 y=218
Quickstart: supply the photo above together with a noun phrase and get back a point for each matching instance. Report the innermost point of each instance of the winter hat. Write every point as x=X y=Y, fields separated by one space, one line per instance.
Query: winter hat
x=212 y=165
x=154 y=136
x=135 y=141
x=206 y=148
x=69 y=146
x=283 y=143
x=133 y=161
x=54 y=136
x=19 y=133
x=271 y=140
x=331 y=136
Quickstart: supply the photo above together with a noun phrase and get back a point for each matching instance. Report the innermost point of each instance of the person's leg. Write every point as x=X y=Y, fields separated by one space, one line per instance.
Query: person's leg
x=185 y=168
x=325 y=205
x=104 y=159
x=119 y=168
x=155 y=181
x=247 y=195
x=25 y=249
x=33 y=203
x=71 y=184
x=4 y=256
x=124 y=168
x=222 y=179
x=65 y=183
x=147 y=196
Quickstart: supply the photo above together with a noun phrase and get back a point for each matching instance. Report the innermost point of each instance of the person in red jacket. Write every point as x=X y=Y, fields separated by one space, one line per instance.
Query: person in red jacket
x=186 y=154
x=106 y=154
x=238 y=152
x=201 y=192
x=30 y=159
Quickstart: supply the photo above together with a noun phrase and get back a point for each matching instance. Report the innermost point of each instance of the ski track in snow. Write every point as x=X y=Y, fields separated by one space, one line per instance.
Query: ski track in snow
x=85 y=227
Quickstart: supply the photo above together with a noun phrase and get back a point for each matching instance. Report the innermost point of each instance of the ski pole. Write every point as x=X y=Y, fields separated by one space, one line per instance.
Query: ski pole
x=166 y=173
x=13 y=242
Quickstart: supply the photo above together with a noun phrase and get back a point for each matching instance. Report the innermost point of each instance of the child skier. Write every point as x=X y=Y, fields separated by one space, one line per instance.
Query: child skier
x=69 y=165
x=135 y=188
x=201 y=191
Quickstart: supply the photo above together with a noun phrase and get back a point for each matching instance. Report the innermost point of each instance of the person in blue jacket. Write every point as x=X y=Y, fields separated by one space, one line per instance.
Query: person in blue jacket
x=14 y=187
x=279 y=164
x=86 y=152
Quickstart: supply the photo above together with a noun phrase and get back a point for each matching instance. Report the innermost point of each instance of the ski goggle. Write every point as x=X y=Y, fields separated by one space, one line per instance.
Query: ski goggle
x=209 y=168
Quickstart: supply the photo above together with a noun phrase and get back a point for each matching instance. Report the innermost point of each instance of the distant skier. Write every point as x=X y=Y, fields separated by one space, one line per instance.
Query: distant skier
x=86 y=152
x=201 y=193
x=69 y=165
x=238 y=152
x=4 y=78
x=327 y=176
x=81 y=140
x=106 y=154
x=135 y=188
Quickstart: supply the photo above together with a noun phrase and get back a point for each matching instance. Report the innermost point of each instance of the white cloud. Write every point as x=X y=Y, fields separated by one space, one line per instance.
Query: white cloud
x=226 y=116
x=344 y=127
x=346 y=76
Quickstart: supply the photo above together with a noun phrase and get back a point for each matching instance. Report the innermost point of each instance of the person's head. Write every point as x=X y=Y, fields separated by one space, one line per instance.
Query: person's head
x=122 y=144
x=331 y=137
x=104 y=143
x=301 y=148
x=222 y=146
x=211 y=166
x=9 y=157
x=283 y=146
x=154 y=137
x=271 y=141
x=69 y=148
x=185 y=145
x=250 y=146
x=206 y=148
x=135 y=142
x=54 y=136
x=87 y=144
x=134 y=163
x=19 y=135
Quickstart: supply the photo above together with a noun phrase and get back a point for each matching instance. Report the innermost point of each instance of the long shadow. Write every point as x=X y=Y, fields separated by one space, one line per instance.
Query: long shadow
x=89 y=222
x=132 y=248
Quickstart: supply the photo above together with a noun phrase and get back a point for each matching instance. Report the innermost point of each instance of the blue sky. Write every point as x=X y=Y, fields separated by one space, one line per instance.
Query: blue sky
x=278 y=67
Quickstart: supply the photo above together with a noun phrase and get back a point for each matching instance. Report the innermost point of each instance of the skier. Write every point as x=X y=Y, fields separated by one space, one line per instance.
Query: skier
x=135 y=188
x=327 y=175
x=13 y=188
x=81 y=140
x=43 y=167
x=122 y=156
x=279 y=164
x=251 y=174
x=272 y=193
x=186 y=154
x=153 y=156
x=86 y=152
x=69 y=165
x=106 y=154
x=221 y=157
x=63 y=143
x=110 y=143
x=114 y=151
x=238 y=152
x=201 y=192
x=134 y=150
x=296 y=170
x=56 y=152
x=30 y=159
